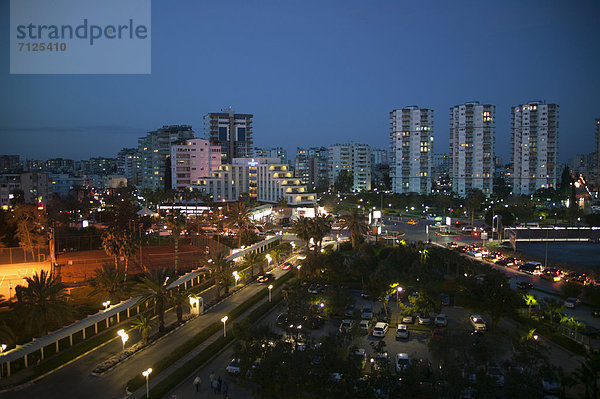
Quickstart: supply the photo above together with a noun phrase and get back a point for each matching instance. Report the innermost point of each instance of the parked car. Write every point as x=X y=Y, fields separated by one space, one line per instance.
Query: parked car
x=572 y=302
x=408 y=319
x=367 y=312
x=315 y=288
x=423 y=319
x=345 y=326
x=234 y=367
x=496 y=374
x=445 y=299
x=402 y=331
x=402 y=362
x=437 y=333
x=596 y=312
x=365 y=326
x=365 y=295
x=440 y=320
x=477 y=322
x=349 y=311
x=360 y=355
x=380 y=329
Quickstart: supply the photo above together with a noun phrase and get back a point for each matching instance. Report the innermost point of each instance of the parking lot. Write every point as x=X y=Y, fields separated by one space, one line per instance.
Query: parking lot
x=416 y=346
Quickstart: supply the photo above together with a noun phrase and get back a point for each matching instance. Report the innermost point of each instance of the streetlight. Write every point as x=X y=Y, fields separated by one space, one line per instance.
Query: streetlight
x=269 y=259
x=147 y=374
x=2 y=349
x=398 y=302
x=124 y=337
x=224 y=320
x=270 y=287
x=105 y=304
x=293 y=245
x=236 y=277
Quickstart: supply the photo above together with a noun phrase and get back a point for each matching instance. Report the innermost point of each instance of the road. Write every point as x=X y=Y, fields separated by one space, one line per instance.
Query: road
x=112 y=385
x=417 y=233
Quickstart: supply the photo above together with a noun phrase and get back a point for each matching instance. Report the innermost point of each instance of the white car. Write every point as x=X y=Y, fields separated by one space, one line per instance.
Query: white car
x=402 y=362
x=441 y=320
x=365 y=326
x=233 y=367
x=402 y=332
x=477 y=322
x=408 y=319
x=423 y=319
x=380 y=329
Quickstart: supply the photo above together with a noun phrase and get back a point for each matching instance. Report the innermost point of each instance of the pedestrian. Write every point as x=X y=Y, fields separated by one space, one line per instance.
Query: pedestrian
x=225 y=389
x=215 y=386
x=212 y=377
x=219 y=382
x=197 y=382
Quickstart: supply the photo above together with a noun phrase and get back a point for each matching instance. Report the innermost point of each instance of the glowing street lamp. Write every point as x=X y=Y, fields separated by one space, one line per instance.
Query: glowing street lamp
x=270 y=287
x=147 y=374
x=398 y=301
x=224 y=321
x=293 y=245
x=236 y=277
x=106 y=304
x=269 y=259
x=124 y=337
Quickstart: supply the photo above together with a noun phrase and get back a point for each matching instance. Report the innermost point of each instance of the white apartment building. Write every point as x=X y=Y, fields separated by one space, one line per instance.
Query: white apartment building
x=273 y=152
x=191 y=160
x=411 y=145
x=356 y=159
x=535 y=146
x=472 y=135
x=264 y=179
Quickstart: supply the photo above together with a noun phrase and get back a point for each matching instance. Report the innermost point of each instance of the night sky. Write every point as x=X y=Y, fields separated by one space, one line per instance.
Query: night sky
x=318 y=72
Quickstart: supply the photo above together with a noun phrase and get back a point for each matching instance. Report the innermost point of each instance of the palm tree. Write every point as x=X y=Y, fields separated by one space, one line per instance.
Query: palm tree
x=354 y=222
x=127 y=248
x=176 y=223
x=239 y=216
x=553 y=307
x=222 y=268
x=153 y=287
x=321 y=226
x=110 y=242
x=424 y=255
x=110 y=282
x=275 y=254
x=43 y=303
x=530 y=301
x=251 y=260
x=587 y=374
x=179 y=299
x=302 y=229
x=143 y=324
x=311 y=265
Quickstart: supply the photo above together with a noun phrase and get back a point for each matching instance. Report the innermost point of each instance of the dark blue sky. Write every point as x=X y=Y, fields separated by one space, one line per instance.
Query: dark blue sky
x=318 y=72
